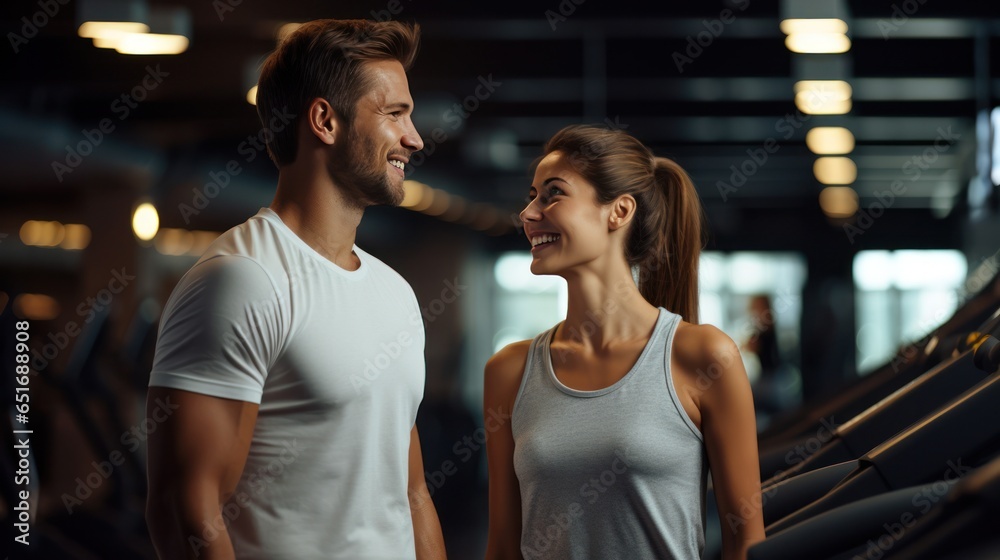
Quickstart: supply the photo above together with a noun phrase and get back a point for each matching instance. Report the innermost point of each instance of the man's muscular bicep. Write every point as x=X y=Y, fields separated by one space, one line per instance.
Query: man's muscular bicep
x=202 y=434
x=196 y=450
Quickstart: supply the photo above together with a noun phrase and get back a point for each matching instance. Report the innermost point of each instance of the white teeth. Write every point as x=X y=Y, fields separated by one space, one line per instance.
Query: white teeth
x=544 y=238
x=397 y=163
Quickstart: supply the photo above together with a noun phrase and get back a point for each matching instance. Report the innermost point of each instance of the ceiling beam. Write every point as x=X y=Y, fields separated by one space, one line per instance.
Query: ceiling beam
x=740 y=28
x=737 y=129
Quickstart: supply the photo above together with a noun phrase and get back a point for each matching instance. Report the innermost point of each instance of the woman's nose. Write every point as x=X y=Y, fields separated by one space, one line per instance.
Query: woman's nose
x=530 y=212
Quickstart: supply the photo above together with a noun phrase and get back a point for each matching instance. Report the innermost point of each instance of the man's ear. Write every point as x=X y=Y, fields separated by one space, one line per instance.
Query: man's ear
x=322 y=121
x=622 y=212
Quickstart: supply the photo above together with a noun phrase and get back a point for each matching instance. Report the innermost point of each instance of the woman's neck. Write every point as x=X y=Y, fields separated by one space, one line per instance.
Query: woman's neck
x=604 y=310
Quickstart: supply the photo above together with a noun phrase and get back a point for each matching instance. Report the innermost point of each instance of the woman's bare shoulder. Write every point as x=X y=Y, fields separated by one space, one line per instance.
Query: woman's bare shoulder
x=700 y=348
x=504 y=370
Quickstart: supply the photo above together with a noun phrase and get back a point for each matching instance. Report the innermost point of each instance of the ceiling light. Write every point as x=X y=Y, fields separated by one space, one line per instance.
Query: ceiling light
x=440 y=203
x=173 y=241
x=823 y=97
x=814 y=25
x=818 y=43
x=413 y=193
x=838 y=202
x=812 y=105
x=105 y=19
x=151 y=43
x=835 y=170
x=110 y=30
x=77 y=236
x=41 y=233
x=168 y=33
x=827 y=140
x=145 y=221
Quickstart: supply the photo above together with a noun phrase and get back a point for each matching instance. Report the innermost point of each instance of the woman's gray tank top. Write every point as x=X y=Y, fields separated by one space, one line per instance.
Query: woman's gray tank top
x=617 y=473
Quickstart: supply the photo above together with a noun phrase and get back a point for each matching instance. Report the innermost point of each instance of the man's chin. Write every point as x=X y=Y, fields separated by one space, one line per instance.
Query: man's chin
x=397 y=191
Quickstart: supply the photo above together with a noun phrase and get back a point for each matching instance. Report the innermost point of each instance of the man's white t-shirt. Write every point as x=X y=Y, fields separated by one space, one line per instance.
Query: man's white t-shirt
x=335 y=360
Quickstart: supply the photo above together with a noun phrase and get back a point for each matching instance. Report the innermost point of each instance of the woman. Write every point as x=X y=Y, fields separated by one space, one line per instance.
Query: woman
x=617 y=412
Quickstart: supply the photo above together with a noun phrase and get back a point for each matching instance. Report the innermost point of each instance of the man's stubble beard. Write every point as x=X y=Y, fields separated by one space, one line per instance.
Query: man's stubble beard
x=355 y=167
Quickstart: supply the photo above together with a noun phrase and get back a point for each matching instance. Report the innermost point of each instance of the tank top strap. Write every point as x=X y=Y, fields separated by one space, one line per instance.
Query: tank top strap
x=534 y=368
x=647 y=368
x=674 y=396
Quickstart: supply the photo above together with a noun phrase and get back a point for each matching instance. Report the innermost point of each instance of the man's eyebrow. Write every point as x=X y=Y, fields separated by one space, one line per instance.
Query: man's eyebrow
x=399 y=105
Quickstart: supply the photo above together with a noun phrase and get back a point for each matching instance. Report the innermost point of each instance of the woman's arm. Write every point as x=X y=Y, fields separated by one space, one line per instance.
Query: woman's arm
x=729 y=426
x=502 y=381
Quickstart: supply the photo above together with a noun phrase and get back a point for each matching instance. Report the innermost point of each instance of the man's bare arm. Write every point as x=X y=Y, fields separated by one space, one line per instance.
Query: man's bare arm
x=426 y=527
x=195 y=458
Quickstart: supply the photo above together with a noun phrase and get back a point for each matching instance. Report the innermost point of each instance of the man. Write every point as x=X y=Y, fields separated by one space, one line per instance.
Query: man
x=290 y=361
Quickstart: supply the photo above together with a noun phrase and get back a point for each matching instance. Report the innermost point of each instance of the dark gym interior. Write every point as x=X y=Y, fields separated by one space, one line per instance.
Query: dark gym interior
x=872 y=266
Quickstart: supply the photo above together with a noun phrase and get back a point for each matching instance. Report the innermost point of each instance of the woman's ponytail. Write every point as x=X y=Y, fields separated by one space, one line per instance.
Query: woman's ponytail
x=669 y=274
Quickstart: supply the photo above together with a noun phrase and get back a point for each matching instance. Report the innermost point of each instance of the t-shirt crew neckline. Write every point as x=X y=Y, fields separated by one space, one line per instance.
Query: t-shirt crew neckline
x=273 y=217
x=610 y=388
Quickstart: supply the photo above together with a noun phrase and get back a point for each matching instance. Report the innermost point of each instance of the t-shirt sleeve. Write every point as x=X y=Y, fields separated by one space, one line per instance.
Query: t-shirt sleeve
x=220 y=331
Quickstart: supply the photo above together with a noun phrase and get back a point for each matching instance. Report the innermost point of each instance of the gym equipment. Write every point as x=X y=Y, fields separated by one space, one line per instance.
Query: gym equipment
x=965 y=432
x=859 y=394
x=907 y=405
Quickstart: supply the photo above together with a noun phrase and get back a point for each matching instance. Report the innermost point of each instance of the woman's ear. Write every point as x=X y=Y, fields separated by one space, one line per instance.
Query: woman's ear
x=622 y=211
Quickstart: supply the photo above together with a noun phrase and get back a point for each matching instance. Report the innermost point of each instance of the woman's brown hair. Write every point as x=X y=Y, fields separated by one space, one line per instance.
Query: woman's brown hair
x=325 y=58
x=666 y=235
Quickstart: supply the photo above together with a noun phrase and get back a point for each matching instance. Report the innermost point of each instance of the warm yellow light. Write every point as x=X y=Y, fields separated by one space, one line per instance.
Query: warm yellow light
x=145 y=221
x=826 y=140
x=440 y=205
x=823 y=97
x=835 y=170
x=838 y=202
x=200 y=242
x=827 y=89
x=38 y=307
x=426 y=199
x=106 y=42
x=287 y=29
x=30 y=232
x=413 y=192
x=54 y=234
x=816 y=25
x=456 y=208
x=57 y=232
x=818 y=43
x=151 y=43
x=110 y=29
x=40 y=233
x=252 y=96
x=178 y=241
x=812 y=105
x=77 y=237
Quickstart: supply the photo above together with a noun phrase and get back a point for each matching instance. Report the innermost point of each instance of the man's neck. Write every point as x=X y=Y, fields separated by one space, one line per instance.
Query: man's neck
x=316 y=210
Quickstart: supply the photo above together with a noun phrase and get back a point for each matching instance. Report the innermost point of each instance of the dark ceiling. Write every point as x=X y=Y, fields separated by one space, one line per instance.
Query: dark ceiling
x=608 y=61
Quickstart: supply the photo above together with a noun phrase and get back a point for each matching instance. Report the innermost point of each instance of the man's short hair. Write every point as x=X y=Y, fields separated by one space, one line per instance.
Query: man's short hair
x=325 y=58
